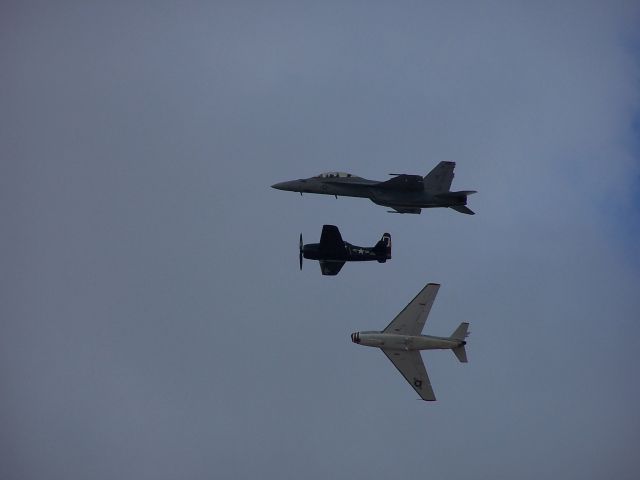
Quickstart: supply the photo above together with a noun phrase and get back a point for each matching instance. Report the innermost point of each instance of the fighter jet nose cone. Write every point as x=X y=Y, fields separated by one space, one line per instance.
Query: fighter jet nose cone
x=290 y=186
x=287 y=186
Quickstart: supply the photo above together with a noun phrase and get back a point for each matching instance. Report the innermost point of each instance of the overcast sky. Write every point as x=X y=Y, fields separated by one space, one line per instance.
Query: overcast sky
x=153 y=320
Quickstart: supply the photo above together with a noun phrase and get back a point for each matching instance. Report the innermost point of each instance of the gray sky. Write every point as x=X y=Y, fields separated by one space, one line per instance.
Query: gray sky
x=153 y=322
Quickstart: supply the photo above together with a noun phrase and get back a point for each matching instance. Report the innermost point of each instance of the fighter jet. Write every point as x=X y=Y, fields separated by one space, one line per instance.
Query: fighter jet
x=402 y=341
x=333 y=252
x=403 y=193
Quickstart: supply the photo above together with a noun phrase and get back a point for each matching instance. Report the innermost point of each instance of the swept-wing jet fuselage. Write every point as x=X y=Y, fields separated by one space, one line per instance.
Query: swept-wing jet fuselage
x=406 y=343
x=402 y=341
x=403 y=193
x=333 y=251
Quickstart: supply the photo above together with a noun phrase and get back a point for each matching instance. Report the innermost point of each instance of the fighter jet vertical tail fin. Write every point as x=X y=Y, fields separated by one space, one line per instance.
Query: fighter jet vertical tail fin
x=439 y=179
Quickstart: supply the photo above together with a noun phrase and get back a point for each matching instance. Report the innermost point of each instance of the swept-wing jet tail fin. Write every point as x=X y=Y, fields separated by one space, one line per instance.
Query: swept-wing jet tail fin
x=460 y=353
x=439 y=179
x=461 y=332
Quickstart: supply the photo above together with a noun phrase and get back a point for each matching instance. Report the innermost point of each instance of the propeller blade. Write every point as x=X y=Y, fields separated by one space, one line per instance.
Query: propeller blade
x=300 y=254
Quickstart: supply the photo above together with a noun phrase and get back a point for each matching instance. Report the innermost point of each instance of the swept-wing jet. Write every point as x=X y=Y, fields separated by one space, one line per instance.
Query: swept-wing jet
x=402 y=341
x=333 y=252
x=403 y=193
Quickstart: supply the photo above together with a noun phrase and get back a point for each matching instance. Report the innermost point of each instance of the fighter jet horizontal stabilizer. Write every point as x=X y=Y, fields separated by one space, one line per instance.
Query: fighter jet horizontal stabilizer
x=463 y=209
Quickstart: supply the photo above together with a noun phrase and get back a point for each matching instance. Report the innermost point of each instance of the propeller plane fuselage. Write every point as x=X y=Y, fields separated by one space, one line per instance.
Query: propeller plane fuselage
x=332 y=252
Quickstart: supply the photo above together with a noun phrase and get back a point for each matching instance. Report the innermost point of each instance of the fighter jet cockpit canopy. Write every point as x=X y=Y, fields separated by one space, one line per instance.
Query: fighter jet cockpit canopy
x=334 y=175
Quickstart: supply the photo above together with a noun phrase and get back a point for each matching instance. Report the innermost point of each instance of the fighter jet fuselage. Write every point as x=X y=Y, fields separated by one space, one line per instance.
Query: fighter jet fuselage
x=403 y=193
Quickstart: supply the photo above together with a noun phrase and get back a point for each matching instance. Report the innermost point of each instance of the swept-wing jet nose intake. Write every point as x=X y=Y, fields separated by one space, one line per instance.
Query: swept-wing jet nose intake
x=403 y=193
x=402 y=341
x=333 y=252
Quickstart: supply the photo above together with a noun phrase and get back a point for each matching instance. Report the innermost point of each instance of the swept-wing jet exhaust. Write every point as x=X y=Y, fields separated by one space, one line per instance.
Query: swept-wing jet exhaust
x=403 y=193
x=402 y=341
x=333 y=252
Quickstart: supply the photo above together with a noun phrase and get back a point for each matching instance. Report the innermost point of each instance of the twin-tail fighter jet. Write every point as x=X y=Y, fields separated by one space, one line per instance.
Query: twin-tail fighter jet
x=333 y=252
x=403 y=193
x=402 y=341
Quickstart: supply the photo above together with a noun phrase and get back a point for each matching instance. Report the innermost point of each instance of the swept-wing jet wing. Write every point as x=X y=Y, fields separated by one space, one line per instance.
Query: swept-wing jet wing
x=411 y=366
x=330 y=268
x=331 y=243
x=411 y=320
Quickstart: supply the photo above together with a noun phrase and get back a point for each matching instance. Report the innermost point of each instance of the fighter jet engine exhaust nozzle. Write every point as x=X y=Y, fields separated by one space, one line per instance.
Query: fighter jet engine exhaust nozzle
x=301 y=247
x=355 y=337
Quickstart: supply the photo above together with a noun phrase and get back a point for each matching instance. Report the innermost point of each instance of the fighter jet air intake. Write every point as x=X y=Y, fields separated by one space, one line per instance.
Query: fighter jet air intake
x=402 y=341
x=333 y=252
x=403 y=193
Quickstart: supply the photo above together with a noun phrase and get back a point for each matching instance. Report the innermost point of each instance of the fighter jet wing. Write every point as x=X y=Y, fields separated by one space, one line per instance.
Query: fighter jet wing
x=411 y=366
x=402 y=182
x=331 y=243
x=411 y=320
x=330 y=268
x=398 y=209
